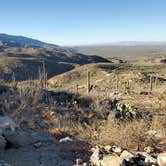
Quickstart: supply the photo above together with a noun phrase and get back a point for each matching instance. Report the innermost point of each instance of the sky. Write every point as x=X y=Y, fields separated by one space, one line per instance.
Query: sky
x=83 y=22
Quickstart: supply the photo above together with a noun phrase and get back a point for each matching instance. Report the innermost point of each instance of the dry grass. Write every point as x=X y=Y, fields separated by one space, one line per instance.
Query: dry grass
x=159 y=124
x=128 y=135
x=131 y=134
x=100 y=130
x=29 y=94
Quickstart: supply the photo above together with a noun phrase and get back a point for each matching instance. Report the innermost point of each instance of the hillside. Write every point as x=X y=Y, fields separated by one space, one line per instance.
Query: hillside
x=87 y=102
x=23 y=57
x=21 y=41
x=70 y=79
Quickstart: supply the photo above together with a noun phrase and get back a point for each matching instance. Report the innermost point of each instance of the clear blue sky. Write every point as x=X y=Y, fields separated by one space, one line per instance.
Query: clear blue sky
x=75 y=22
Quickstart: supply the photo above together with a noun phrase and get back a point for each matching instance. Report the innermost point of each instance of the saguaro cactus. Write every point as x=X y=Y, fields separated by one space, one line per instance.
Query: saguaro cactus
x=125 y=86
x=151 y=83
x=77 y=88
x=88 y=82
x=156 y=81
x=43 y=76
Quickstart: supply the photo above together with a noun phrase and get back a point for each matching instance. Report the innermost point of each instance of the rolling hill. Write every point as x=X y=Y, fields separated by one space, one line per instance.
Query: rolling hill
x=23 y=57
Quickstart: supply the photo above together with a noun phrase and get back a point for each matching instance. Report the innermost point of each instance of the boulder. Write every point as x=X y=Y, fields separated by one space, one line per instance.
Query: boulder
x=127 y=155
x=95 y=157
x=110 y=160
x=7 y=124
x=2 y=143
x=161 y=159
x=149 y=160
x=20 y=138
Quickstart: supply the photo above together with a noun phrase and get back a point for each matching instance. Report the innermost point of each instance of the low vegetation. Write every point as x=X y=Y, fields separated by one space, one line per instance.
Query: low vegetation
x=97 y=120
x=119 y=104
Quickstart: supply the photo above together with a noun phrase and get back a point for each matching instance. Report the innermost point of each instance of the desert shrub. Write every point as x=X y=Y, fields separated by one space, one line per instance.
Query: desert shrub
x=29 y=94
x=126 y=134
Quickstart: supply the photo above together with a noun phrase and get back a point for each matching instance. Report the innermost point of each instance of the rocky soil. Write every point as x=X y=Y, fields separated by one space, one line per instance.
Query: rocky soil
x=20 y=148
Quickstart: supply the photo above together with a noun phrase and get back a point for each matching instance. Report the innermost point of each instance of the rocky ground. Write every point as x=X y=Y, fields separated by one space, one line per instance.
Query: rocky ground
x=43 y=127
x=20 y=148
x=50 y=154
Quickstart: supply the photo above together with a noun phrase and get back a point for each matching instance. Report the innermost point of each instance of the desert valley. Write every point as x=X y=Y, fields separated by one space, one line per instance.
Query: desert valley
x=83 y=105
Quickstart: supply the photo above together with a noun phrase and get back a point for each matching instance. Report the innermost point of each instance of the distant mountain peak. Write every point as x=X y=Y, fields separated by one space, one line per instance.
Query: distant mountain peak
x=26 y=41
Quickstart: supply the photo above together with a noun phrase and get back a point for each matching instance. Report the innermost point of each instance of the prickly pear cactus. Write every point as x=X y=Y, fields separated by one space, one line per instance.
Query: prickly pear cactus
x=125 y=111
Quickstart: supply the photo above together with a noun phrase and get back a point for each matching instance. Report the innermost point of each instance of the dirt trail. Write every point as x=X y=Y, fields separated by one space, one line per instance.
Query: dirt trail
x=53 y=154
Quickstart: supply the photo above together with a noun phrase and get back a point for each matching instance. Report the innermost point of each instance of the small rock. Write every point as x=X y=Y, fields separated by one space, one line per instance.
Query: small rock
x=116 y=149
x=110 y=160
x=149 y=149
x=108 y=148
x=37 y=145
x=161 y=159
x=66 y=139
x=151 y=132
x=128 y=156
x=52 y=113
x=79 y=161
